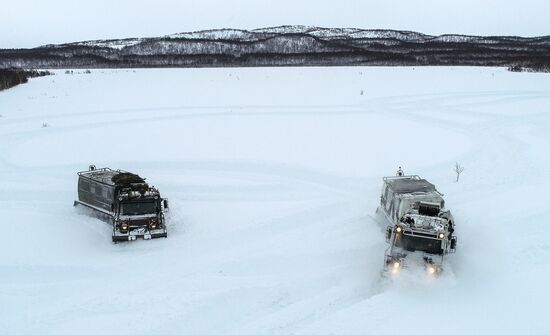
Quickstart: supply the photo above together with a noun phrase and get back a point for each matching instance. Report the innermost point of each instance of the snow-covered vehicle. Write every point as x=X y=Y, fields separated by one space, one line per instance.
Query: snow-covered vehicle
x=134 y=208
x=420 y=229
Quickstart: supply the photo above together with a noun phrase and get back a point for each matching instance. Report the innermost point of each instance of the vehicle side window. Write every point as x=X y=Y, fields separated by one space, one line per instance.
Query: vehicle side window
x=399 y=209
x=84 y=185
x=389 y=198
x=99 y=190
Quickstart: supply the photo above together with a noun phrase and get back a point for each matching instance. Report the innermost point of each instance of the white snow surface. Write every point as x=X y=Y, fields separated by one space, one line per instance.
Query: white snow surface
x=273 y=176
x=113 y=44
x=255 y=34
x=217 y=34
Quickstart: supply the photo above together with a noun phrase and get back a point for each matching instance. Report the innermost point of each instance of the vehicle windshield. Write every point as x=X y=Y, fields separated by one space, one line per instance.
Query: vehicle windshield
x=139 y=208
x=418 y=243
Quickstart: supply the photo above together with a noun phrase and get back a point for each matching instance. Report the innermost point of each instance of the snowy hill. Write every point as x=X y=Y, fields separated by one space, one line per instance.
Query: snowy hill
x=274 y=176
x=287 y=45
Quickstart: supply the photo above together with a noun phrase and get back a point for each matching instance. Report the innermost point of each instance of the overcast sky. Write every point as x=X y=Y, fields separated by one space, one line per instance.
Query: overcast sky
x=30 y=23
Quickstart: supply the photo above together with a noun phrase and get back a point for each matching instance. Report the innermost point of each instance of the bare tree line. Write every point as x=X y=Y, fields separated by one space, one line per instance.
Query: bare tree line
x=287 y=49
x=10 y=78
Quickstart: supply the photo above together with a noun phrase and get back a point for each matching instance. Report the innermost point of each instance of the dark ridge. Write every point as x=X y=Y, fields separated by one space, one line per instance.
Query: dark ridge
x=289 y=46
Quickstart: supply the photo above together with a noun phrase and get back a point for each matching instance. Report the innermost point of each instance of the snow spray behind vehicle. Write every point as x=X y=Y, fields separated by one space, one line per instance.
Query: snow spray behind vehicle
x=420 y=229
x=134 y=208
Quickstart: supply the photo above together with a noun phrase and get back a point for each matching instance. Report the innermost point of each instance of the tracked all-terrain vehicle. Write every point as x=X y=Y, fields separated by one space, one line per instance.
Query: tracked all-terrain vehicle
x=134 y=208
x=420 y=229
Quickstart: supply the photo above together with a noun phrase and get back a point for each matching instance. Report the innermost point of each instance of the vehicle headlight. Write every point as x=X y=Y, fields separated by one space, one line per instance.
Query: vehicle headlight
x=124 y=226
x=396 y=265
x=432 y=270
x=441 y=235
x=399 y=229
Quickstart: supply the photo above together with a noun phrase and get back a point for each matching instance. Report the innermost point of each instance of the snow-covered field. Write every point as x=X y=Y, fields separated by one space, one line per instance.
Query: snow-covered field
x=274 y=175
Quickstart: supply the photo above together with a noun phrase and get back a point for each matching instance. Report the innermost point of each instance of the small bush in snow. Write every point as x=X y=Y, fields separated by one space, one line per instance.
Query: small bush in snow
x=458 y=170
